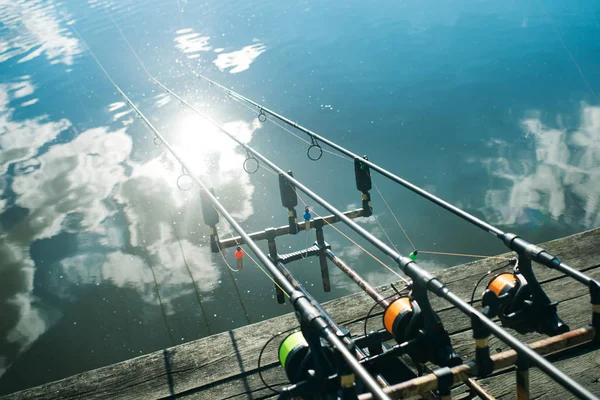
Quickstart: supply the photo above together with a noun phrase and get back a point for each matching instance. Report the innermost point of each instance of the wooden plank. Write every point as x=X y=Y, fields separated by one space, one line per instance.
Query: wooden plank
x=225 y=365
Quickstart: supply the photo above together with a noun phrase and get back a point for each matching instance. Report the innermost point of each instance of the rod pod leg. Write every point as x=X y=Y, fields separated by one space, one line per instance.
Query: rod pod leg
x=438 y=345
x=522 y=378
x=543 y=310
x=271 y=234
x=318 y=224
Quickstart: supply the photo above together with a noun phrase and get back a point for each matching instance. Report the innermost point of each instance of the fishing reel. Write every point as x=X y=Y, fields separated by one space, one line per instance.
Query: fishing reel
x=407 y=321
x=300 y=362
x=521 y=305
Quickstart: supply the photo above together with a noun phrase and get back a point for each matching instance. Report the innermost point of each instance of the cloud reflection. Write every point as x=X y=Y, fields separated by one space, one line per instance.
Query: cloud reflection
x=240 y=60
x=87 y=187
x=35 y=30
x=562 y=179
x=19 y=140
x=190 y=42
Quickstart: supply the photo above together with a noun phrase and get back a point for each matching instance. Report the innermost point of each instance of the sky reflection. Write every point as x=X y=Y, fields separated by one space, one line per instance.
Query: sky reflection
x=34 y=29
x=566 y=163
x=239 y=60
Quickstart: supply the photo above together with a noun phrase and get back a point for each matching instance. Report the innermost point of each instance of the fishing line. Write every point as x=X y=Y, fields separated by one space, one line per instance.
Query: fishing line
x=394 y=215
x=194 y=73
x=234 y=97
x=354 y=242
x=441 y=253
x=262 y=117
x=156 y=287
x=254 y=261
x=187 y=267
x=139 y=230
x=126 y=41
x=237 y=289
x=162 y=307
x=397 y=294
x=133 y=106
x=180 y=13
x=486 y=275
x=262 y=350
x=564 y=45
x=425 y=251
x=385 y=233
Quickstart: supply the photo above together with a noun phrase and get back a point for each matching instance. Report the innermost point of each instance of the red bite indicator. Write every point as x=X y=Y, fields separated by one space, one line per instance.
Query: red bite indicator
x=239 y=256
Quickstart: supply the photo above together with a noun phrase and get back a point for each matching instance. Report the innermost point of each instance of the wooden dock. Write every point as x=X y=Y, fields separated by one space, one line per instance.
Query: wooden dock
x=225 y=366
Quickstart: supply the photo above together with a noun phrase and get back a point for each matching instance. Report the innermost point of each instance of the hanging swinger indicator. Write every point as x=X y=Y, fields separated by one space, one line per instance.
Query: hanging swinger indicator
x=239 y=256
x=307 y=218
x=413 y=256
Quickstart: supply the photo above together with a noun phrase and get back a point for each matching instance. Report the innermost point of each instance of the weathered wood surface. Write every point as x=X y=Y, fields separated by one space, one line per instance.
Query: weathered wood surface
x=225 y=365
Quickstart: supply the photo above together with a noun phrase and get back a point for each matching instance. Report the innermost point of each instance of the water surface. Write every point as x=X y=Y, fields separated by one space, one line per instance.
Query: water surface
x=492 y=106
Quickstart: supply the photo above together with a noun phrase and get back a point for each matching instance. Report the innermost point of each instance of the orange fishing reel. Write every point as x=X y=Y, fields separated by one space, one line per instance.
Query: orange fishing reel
x=407 y=321
x=506 y=296
x=521 y=304
x=402 y=318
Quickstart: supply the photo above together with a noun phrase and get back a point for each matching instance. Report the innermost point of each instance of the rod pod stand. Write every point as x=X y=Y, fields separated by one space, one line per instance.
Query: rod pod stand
x=274 y=256
x=481 y=334
x=539 y=312
x=318 y=224
x=595 y=300
x=347 y=380
x=435 y=341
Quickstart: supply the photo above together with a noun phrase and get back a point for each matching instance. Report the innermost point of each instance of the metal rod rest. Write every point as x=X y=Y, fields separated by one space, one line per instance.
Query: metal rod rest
x=501 y=360
x=284 y=230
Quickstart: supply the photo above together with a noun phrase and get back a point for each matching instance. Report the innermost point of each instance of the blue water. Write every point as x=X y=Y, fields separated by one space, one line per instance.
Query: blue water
x=490 y=105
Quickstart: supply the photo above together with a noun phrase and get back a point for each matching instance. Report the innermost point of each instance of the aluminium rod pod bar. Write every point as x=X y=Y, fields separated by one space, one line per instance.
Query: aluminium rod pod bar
x=409 y=267
x=512 y=241
x=305 y=309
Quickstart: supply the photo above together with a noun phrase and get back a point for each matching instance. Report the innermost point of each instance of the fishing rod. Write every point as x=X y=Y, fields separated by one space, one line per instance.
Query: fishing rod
x=421 y=278
x=308 y=313
x=511 y=240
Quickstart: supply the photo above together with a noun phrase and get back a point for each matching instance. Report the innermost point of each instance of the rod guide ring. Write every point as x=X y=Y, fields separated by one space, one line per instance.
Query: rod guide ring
x=262 y=117
x=314 y=155
x=248 y=166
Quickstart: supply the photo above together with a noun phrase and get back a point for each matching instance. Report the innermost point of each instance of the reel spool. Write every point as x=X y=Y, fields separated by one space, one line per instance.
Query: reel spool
x=297 y=359
x=505 y=294
x=405 y=320
x=293 y=352
x=401 y=318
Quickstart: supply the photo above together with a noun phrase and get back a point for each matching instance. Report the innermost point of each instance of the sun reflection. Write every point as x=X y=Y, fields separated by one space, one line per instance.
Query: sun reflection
x=207 y=150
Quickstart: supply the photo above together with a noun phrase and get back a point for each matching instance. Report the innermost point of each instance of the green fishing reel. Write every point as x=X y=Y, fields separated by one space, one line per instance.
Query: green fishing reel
x=293 y=353
x=297 y=358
